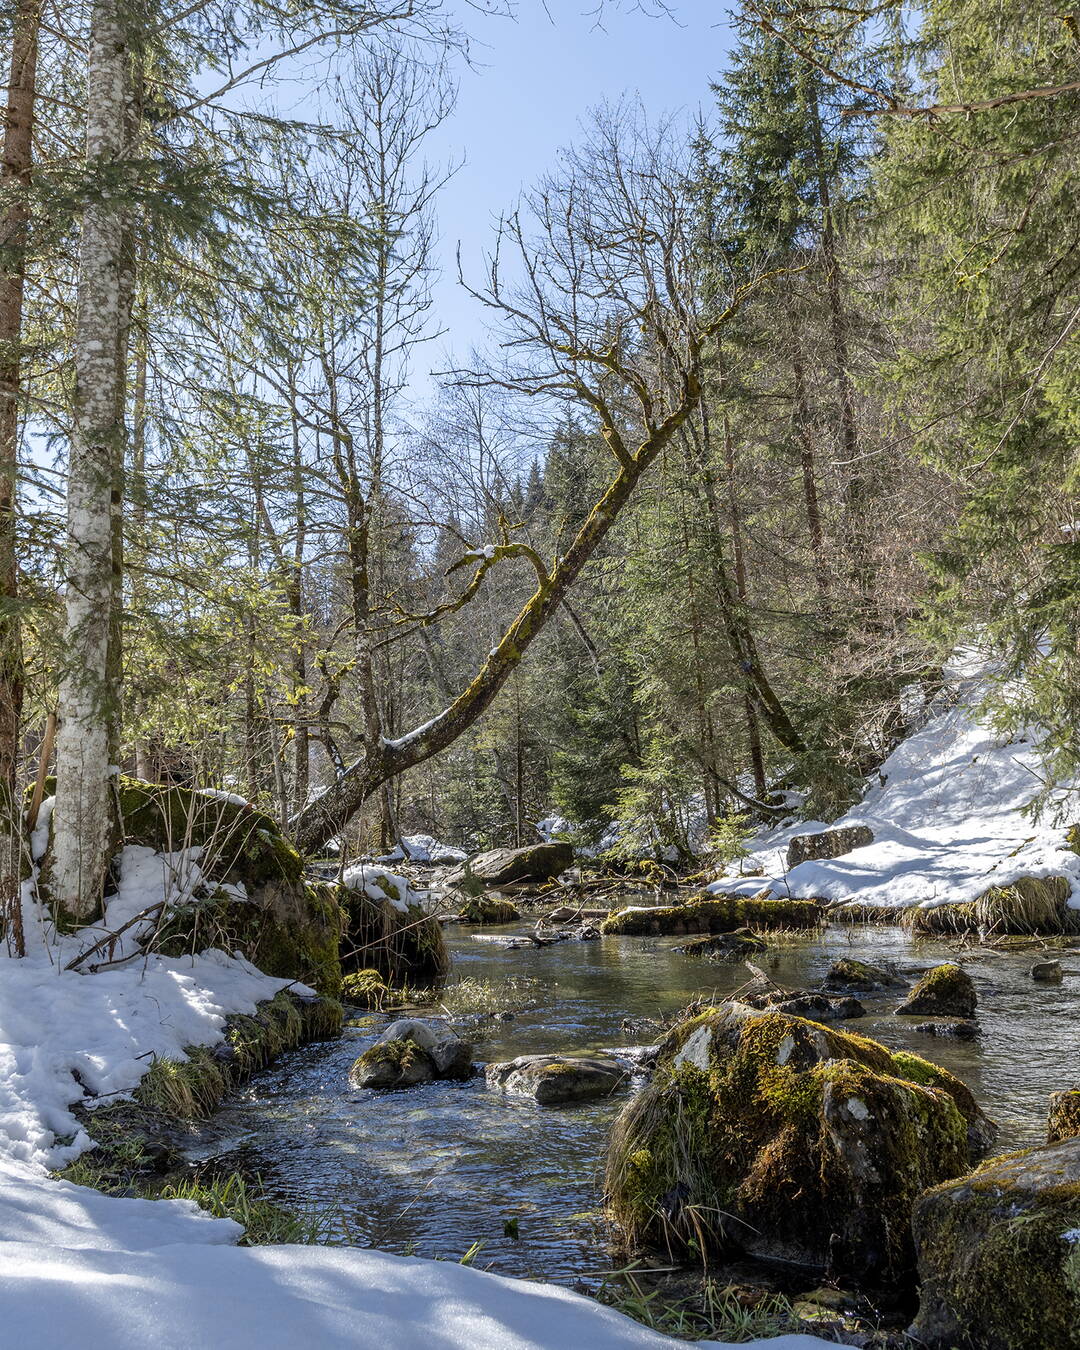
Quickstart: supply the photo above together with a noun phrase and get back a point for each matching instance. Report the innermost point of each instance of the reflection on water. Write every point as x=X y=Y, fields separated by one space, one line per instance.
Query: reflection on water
x=433 y=1169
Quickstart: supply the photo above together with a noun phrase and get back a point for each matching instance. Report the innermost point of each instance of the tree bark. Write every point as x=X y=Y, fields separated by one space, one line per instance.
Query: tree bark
x=83 y=800
x=15 y=171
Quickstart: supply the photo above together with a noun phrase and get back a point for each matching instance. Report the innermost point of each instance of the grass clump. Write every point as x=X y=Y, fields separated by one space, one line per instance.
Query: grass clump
x=716 y=1312
x=244 y=1201
x=367 y=989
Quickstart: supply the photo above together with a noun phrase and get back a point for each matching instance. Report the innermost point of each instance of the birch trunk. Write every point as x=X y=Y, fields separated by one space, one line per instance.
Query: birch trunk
x=14 y=176
x=83 y=800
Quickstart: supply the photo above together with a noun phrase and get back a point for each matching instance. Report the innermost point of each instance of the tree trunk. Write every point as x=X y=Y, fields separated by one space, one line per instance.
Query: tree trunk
x=82 y=813
x=15 y=170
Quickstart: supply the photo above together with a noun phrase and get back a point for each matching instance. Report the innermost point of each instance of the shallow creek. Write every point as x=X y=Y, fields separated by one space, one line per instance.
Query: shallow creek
x=435 y=1169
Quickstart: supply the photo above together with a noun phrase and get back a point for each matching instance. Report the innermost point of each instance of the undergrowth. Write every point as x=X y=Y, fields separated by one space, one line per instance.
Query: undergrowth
x=715 y=1313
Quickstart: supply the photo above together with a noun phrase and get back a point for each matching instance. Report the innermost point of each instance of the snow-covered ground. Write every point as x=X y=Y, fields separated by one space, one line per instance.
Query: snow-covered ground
x=108 y=1273
x=948 y=823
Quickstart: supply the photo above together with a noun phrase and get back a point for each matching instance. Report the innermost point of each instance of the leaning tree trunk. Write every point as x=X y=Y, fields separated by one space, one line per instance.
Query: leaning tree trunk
x=15 y=179
x=83 y=800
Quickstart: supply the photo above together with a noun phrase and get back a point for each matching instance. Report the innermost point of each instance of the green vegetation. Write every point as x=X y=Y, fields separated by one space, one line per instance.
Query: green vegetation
x=715 y=914
x=489 y=909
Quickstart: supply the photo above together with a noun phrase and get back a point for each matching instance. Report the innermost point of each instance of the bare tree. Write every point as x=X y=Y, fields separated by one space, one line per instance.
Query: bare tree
x=602 y=310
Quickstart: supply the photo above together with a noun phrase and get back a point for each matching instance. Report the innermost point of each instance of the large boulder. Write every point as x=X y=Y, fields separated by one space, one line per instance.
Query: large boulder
x=945 y=991
x=999 y=1255
x=503 y=866
x=708 y=913
x=771 y=1135
x=1063 y=1121
x=555 y=1080
x=410 y=1052
x=827 y=844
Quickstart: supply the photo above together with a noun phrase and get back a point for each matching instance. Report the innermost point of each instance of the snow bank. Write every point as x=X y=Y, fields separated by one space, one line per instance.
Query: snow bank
x=947 y=820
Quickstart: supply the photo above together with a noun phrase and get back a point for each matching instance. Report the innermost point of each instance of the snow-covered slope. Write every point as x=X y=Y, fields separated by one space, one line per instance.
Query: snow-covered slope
x=948 y=823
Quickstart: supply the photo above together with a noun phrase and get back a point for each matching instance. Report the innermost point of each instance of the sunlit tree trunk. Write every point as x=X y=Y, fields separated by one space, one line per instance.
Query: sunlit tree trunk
x=15 y=171
x=87 y=698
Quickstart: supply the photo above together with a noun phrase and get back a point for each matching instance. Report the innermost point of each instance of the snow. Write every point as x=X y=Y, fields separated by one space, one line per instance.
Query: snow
x=423 y=848
x=108 y=1273
x=379 y=884
x=947 y=816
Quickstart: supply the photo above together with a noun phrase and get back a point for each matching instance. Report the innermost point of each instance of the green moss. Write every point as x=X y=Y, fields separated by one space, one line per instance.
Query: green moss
x=367 y=989
x=1029 y=905
x=1000 y=1263
x=400 y=1055
x=489 y=909
x=301 y=946
x=715 y=914
x=751 y=1141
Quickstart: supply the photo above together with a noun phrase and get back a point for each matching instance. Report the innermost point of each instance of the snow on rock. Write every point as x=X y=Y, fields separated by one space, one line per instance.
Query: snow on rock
x=423 y=848
x=947 y=819
x=379 y=884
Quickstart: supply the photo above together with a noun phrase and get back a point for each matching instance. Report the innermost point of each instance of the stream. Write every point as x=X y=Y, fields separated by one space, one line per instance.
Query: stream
x=435 y=1169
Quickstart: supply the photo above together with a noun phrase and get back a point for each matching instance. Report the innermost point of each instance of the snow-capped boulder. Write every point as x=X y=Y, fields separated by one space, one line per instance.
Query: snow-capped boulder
x=768 y=1134
x=999 y=1254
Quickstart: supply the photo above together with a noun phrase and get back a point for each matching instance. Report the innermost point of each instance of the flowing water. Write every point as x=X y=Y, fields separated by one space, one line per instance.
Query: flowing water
x=434 y=1169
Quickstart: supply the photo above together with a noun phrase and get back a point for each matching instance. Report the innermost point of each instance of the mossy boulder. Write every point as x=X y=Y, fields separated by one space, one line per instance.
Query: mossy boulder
x=726 y=946
x=256 y=899
x=707 y=913
x=1063 y=1121
x=366 y=989
x=411 y=1052
x=945 y=991
x=775 y=1136
x=505 y=866
x=816 y=1006
x=849 y=976
x=999 y=1255
x=400 y=940
x=480 y=909
x=556 y=1080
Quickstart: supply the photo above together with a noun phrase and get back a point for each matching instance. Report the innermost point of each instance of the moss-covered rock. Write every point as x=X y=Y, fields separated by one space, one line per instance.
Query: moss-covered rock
x=481 y=909
x=945 y=991
x=366 y=989
x=410 y=1052
x=860 y=977
x=505 y=866
x=726 y=946
x=714 y=914
x=999 y=1255
x=828 y=843
x=555 y=1080
x=773 y=1135
x=403 y=942
x=1063 y=1121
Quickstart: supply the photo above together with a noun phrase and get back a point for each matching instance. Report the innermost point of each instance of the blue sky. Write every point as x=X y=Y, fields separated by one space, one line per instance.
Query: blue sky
x=535 y=77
